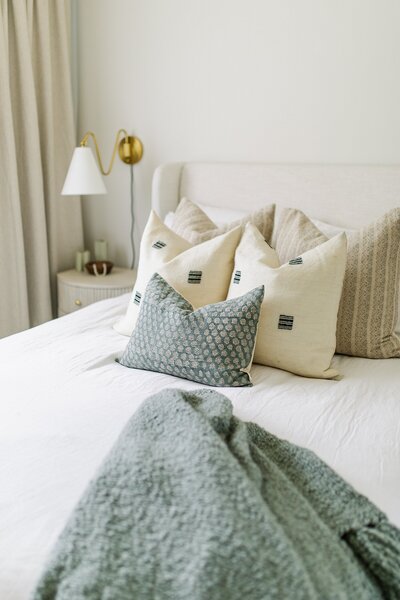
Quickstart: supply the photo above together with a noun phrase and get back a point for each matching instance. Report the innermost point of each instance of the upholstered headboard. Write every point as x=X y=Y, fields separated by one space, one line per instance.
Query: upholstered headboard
x=344 y=195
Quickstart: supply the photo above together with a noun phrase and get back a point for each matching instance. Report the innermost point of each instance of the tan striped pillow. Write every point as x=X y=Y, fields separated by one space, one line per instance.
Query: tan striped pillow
x=192 y=223
x=369 y=307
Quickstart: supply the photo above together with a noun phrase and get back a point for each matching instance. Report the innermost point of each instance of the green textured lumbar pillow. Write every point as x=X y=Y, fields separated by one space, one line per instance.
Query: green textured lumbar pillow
x=213 y=344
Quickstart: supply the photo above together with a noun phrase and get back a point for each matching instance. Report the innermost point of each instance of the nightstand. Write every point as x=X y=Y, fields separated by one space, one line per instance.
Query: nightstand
x=78 y=289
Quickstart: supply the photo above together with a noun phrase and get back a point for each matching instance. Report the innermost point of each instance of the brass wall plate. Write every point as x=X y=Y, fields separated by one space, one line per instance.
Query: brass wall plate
x=130 y=150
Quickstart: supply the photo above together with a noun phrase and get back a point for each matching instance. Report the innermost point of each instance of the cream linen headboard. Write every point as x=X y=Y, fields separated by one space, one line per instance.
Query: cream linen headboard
x=343 y=195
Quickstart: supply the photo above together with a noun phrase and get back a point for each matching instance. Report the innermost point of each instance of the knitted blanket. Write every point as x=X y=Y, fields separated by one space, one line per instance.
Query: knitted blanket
x=193 y=504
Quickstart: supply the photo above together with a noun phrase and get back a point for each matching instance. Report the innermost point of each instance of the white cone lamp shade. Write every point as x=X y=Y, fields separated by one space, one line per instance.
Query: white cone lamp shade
x=83 y=175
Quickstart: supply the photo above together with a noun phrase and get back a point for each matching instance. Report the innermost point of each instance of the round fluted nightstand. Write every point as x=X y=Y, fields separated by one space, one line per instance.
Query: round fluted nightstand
x=78 y=289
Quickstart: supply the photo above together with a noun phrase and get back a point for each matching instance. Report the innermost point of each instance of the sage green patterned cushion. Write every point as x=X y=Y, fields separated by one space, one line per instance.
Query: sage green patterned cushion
x=213 y=344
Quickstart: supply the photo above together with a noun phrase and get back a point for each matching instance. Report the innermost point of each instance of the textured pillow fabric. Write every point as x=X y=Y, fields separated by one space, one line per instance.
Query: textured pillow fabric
x=295 y=233
x=332 y=230
x=212 y=345
x=297 y=329
x=369 y=307
x=194 y=225
x=201 y=273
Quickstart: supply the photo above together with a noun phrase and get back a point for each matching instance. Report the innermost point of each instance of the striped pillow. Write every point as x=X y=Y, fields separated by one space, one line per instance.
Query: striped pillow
x=369 y=307
x=192 y=223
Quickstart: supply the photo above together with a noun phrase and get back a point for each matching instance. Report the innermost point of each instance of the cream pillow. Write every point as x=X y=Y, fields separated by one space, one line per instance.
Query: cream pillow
x=194 y=225
x=200 y=273
x=330 y=230
x=169 y=219
x=297 y=328
x=369 y=308
x=222 y=216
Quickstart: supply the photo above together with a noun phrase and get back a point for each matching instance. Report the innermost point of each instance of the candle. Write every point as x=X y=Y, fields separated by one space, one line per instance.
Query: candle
x=86 y=257
x=100 y=250
x=79 y=261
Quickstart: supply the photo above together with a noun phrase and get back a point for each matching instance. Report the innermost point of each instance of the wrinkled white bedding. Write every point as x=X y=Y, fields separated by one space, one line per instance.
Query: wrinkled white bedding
x=63 y=402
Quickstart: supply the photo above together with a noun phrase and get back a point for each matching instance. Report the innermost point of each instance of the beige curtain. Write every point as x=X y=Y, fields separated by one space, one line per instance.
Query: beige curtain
x=39 y=229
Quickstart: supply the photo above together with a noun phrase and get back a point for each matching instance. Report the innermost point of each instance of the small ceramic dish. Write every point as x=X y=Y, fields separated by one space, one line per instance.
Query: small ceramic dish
x=99 y=267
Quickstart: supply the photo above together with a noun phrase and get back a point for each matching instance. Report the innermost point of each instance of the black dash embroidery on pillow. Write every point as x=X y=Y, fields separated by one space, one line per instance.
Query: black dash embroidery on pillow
x=296 y=261
x=237 y=276
x=159 y=244
x=285 y=322
x=137 y=298
x=195 y=276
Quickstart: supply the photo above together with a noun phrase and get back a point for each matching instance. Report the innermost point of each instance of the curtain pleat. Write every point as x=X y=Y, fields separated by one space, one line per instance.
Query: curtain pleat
x=14 y=312
x=39 y=118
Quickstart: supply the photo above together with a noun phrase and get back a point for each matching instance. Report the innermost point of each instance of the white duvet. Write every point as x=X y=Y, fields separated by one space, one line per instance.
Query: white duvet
x=64 y=401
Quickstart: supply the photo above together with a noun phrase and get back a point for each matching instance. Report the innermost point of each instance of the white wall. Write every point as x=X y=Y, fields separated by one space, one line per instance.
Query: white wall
x=255 y=80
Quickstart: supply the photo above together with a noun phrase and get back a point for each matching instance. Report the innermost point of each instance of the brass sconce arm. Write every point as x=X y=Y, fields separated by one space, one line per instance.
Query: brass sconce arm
x=130 y=149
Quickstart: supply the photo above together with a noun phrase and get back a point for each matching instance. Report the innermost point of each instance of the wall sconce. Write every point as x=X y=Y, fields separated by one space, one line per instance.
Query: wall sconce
x=83 y=175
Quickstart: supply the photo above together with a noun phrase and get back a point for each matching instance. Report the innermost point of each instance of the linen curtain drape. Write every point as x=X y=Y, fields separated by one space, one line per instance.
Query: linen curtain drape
x=39 y=229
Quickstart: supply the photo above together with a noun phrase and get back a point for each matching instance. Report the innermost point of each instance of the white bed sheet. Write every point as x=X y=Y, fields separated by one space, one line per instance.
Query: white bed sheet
x=64 y=401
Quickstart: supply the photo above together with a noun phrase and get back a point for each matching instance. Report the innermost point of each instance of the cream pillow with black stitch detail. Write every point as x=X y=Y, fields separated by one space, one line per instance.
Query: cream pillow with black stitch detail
x=297 y=327
x=200 y=273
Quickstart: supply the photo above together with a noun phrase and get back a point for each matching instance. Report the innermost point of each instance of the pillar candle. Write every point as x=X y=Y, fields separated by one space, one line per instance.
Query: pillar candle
x=86 y=257
x=79 y=261
x=100 y=250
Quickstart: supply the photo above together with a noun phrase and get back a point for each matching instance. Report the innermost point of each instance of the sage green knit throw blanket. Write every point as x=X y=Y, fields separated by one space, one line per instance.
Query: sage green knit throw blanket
x=193 y=504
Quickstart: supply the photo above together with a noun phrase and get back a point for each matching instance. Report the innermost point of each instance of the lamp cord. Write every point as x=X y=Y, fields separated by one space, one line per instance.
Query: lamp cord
x=132 y=218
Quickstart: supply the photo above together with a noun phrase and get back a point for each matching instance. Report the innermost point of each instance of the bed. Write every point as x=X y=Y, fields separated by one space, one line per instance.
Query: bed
x=64 y=400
